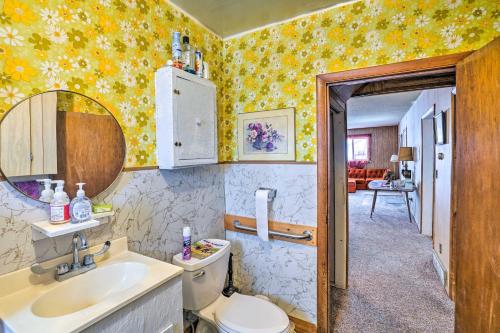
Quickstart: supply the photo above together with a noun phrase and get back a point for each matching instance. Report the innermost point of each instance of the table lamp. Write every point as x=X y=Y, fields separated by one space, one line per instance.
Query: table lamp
x=394 y=160
x=405 y=155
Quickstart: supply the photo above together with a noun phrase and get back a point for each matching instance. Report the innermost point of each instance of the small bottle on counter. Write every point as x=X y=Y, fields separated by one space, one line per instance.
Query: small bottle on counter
x=186 y=243
x=81 y=206
x=59 y=206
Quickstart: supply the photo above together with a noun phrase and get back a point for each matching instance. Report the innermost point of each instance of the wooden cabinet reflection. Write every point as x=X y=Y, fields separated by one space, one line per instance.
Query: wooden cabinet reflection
x=90 y=149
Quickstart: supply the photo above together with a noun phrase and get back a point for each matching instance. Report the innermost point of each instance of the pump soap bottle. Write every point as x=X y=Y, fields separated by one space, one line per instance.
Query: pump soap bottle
x=59 y=206
x=47 y=194
x=81 y=206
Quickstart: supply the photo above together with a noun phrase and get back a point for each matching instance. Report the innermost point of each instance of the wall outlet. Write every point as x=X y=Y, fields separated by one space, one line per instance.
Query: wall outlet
x=169 y=329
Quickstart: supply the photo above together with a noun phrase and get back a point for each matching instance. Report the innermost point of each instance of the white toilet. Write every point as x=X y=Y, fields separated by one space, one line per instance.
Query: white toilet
x=202 y=284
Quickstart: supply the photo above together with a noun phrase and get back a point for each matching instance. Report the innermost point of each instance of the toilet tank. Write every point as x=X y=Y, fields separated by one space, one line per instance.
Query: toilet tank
x=203 y=279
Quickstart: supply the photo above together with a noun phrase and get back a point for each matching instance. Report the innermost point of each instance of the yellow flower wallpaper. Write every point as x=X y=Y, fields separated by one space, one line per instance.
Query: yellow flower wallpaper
x=71 y=102
x=110 y=49
x=276 y=67
x=105 y=49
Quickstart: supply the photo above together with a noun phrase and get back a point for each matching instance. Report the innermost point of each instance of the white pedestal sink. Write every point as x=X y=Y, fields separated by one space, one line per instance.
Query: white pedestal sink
x=29 y=302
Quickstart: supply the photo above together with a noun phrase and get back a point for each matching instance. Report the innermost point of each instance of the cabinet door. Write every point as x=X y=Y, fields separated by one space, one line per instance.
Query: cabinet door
x=36 y=120
x=15 y=146
x=49 y=132
x=194 y=116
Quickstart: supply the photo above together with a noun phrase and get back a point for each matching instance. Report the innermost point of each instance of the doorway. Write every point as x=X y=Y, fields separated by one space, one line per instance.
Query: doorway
x=427 y=172
x=478 y=68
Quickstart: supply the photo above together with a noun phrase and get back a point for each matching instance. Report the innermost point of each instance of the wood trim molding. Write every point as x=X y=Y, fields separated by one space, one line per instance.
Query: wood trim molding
x=323 y=280
x=405 y=68
x=414 y=68
x=273 y=225
x=302 y=326
x=131 y=169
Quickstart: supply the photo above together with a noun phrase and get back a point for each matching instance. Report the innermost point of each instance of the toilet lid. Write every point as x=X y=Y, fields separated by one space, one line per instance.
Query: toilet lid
x=249 y=314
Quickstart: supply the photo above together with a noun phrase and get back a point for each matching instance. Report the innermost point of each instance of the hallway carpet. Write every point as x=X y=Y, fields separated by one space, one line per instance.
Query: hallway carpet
x=393 y=286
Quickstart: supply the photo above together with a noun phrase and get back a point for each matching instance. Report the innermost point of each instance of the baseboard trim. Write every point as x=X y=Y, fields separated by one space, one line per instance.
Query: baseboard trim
x=303 y=326
x=440 y=269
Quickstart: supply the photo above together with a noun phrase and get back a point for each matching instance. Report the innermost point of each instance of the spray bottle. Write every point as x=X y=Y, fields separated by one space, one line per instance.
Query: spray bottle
x=186 y=243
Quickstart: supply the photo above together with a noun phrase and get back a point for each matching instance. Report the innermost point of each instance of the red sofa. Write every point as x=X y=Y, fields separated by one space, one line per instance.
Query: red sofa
x=361 y=177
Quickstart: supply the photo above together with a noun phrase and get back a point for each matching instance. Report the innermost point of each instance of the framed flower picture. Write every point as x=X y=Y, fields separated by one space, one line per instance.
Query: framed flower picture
x=267 y=135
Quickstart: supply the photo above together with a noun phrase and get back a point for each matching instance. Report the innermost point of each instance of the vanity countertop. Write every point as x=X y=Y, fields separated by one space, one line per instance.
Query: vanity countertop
x=30 y=302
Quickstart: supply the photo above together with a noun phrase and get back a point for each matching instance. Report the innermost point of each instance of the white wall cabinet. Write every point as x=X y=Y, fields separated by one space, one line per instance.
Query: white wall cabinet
x=186 y=119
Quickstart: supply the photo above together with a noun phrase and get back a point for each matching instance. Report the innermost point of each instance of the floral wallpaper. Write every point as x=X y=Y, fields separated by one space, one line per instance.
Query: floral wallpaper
x=105 y=49
x=276 y=67
x=110 y=49
x=71 y=102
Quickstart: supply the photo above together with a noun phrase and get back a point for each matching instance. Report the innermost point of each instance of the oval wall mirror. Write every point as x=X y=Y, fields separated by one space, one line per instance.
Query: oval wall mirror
x=60 y=135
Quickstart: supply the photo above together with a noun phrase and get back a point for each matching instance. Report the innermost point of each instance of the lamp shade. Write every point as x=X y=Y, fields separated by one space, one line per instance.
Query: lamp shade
x=394 y=158
x=405 y=153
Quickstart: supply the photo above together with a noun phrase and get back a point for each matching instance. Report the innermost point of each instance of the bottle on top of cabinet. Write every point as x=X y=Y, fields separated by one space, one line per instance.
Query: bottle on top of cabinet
x=187 y=55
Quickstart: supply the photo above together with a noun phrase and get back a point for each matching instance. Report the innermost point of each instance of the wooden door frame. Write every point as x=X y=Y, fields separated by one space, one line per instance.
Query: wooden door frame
x=323 y=81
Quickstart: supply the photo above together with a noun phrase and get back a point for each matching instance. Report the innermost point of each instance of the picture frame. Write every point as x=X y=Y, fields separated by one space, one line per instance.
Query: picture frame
x=267 y=135
x=440 y=128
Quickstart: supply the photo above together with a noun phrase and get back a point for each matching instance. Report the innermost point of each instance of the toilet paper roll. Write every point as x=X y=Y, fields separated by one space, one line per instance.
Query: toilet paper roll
x=261 y=214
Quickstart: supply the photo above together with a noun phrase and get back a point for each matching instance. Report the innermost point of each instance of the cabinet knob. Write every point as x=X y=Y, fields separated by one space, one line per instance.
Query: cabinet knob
x=177 y=144
x=177 y=91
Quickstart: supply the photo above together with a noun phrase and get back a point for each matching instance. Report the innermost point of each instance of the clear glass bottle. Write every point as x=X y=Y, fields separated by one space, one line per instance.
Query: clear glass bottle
x=187 y=55
x=81 y=206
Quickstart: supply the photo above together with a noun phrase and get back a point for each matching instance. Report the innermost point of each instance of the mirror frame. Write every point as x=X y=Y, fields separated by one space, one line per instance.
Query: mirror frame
x=3 y=177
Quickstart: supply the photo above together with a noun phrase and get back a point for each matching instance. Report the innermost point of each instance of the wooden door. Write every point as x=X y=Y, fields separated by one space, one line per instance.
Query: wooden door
x=478 y=197
x=338 y=215
x=443 y=161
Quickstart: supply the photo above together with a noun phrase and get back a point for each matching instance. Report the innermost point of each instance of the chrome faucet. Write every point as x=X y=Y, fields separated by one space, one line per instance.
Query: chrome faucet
x=83 y=246
x=65 y=271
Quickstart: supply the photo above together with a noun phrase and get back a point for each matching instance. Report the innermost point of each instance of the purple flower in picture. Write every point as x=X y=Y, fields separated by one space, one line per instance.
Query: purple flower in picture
x=263 y=136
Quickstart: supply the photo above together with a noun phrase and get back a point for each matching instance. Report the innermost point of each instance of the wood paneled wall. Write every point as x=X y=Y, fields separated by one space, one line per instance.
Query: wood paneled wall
x=384 y=143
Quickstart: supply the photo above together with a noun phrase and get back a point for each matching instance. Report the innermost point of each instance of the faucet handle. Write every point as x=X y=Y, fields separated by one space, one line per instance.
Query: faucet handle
x=62 y=269
x=88 y=260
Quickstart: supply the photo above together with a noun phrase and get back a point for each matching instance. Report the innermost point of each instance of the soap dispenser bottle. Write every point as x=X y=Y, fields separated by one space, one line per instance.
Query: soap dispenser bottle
x=81 y=206
x=47 y=194
x=59 y=206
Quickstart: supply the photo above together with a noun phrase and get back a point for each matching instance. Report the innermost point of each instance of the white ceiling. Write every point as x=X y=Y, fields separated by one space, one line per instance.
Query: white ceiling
x=230 y=17
x=379 y=110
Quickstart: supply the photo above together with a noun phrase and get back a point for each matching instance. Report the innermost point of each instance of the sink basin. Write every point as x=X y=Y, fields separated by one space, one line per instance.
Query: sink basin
x=89 y=289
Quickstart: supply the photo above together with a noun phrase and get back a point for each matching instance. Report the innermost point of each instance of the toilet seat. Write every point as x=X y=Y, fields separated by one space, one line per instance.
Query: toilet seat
x=250 y=314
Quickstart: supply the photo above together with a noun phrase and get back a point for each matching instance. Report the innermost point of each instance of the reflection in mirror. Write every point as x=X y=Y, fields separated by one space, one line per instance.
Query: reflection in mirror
x=60 y=135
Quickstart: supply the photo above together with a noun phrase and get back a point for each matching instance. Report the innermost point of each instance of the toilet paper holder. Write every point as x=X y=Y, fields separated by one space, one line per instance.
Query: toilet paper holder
x=271 y=195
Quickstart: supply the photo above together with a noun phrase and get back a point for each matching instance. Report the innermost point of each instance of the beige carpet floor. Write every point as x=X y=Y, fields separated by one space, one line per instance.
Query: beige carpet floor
x=393 y=286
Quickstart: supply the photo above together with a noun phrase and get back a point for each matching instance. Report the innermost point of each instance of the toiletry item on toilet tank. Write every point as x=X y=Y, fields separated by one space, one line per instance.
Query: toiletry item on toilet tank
x=81 y=206
x=186 y=243
x=59 y=206
x=48 y=193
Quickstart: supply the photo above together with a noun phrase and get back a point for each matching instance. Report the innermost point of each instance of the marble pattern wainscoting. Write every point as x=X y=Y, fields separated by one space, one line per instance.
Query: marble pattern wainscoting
x=284 y=271
x=151 y=209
